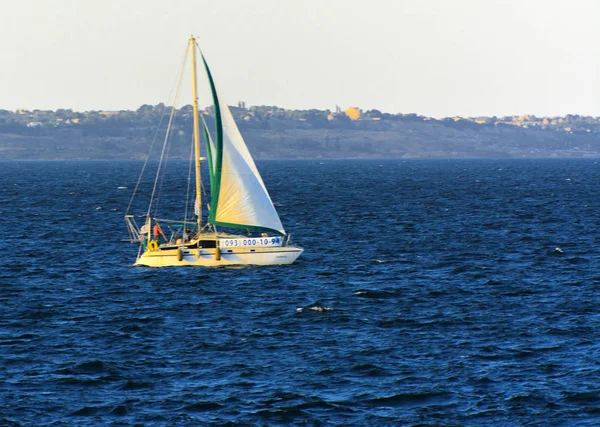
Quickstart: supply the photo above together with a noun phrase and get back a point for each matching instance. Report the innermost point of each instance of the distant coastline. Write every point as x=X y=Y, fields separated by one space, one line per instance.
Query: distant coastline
x=276 y=133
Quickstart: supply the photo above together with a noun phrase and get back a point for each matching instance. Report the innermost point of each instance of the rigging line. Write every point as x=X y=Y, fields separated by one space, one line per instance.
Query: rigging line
x=162 y=116
x=162 y=178
x=164 y=159
x=172 y=115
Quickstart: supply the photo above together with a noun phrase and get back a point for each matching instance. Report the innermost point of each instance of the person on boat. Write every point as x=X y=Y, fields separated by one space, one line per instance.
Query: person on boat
x=186 y=235
x=156 y=231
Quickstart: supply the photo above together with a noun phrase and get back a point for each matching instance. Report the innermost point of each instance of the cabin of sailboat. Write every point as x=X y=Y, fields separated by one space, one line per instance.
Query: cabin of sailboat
x=238 y=200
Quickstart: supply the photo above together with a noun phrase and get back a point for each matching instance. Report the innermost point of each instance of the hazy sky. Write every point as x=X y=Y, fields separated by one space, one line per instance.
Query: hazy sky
x=432 y=57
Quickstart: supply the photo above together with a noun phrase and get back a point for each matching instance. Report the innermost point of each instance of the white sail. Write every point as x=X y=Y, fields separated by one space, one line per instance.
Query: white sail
x=239 y=197
x=243 y=198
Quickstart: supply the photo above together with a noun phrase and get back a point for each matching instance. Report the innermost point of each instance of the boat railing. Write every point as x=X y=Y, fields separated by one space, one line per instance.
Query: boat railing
x=132 y=228
x=174 y=221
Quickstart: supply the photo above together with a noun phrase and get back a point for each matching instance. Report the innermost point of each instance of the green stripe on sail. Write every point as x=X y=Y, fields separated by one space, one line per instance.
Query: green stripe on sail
x=214 y=196
x=248 y=227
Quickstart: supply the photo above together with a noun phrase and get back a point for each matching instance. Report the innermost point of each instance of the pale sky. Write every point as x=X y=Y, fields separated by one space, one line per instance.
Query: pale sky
x=436 y=58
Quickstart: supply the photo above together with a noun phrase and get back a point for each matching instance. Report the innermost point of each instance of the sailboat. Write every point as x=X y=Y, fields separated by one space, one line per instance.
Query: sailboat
x=242 y=226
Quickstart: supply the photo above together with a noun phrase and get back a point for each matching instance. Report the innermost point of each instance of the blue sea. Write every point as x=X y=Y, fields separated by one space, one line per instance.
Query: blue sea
x=430 y=293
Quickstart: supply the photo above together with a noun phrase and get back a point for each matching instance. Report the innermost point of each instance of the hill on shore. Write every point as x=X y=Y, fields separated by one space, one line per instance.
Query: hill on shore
x=273 y=132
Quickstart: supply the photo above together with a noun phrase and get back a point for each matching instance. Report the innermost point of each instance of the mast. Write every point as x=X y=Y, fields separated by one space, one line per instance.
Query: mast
x=198 y=201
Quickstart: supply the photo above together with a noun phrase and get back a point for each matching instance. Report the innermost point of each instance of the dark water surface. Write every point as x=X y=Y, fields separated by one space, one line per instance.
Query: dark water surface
x=429 y=293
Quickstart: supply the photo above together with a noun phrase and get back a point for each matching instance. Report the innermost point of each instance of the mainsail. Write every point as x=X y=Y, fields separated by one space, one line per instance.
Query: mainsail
x=239 y=198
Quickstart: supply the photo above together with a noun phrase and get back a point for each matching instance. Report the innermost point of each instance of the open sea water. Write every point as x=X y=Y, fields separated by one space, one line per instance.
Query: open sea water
x=446 y=293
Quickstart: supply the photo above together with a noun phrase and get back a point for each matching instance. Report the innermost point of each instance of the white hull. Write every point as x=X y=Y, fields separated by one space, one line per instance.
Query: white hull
x=279 y=255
